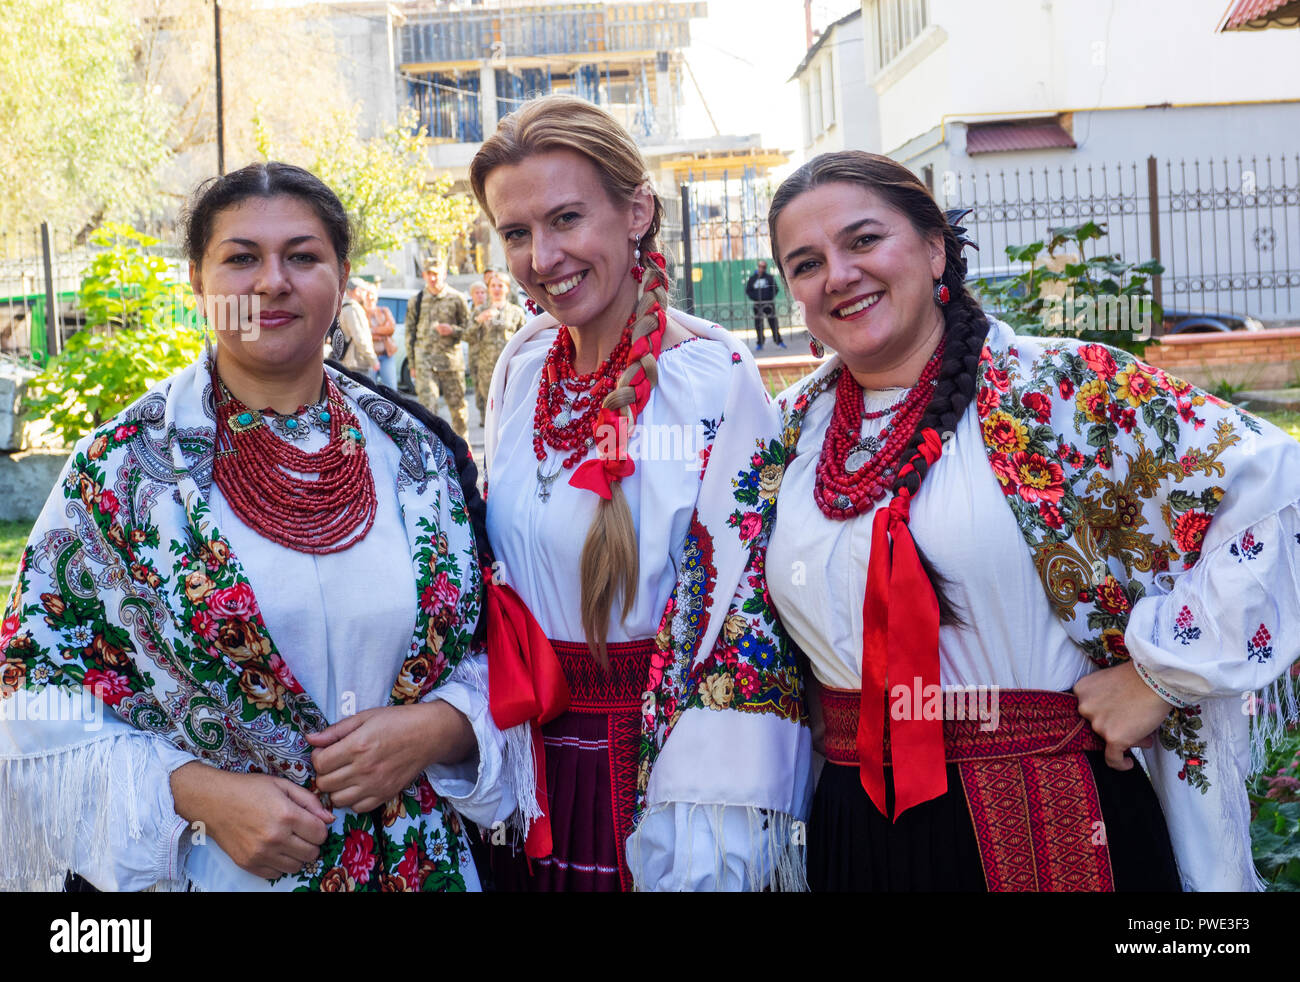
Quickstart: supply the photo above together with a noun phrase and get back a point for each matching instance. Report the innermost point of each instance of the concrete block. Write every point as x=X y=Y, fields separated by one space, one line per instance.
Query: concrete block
x=26 y=480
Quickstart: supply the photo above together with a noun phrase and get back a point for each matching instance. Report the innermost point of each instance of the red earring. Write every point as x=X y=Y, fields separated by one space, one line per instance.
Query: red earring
x=941 y=294
x=816 y=348
x=531 y=306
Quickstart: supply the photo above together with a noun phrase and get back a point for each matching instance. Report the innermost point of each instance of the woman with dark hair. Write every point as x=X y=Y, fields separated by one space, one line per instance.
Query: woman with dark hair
x=277 y=703
x=630 y=455
x=1021 y=557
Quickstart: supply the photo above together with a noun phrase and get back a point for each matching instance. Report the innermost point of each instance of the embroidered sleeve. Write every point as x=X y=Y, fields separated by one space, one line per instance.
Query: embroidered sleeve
x=1227 y=627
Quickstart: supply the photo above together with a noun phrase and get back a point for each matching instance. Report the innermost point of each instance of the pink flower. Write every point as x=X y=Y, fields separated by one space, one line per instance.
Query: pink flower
x=283 y=675
x=124 y=433
x=108 y=503
x=107 y=685
x=234 y=602
x=756 y=460
x=357 y=856
x=746 y=680
x=409 y=866
x=204 y=625
x=750 y=525
x=428 y=799
x=1050 y=514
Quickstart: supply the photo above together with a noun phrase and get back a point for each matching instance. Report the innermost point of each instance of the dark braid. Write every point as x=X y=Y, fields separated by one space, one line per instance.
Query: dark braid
x=466 y=469
x=965 y=324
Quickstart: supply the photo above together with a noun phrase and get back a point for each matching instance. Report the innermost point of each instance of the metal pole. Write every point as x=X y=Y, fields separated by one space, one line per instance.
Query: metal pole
x=688 y=272
x=1153 y=197
x=221 y=123
x=52 y=338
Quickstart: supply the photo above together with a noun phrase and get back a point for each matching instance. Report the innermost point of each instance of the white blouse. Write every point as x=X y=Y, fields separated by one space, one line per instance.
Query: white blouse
x=343 y=623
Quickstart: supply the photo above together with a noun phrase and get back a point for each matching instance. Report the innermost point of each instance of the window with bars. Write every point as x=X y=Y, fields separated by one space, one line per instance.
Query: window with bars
x=897 y=23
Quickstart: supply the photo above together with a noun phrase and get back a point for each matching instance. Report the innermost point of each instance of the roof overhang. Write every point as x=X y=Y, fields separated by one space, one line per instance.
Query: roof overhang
x=1017 y=134
x=1256 y=15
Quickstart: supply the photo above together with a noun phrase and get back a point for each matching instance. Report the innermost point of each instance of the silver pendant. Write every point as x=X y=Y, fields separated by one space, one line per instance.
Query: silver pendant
x=861 y=454
x=544 y=481
x=565 y=414
x=842 y=501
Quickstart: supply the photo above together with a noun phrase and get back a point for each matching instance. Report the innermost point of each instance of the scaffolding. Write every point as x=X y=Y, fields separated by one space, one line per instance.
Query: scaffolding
x=623 y=56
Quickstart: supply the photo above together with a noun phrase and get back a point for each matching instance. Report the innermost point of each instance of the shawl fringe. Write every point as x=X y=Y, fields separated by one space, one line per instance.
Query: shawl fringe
x=46 y=831
x=1277 y=709
x=775 y=856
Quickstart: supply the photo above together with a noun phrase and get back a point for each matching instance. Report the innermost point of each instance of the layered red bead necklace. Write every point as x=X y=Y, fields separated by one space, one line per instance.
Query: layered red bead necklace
x=328 y=510
x=568 y=404
x=854 y=473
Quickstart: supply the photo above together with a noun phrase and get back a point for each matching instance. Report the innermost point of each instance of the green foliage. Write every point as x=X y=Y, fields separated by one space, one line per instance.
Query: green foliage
x=80 y=137
x=1227 y=391
x=383 y=183
x=138 y=331
x=1031 y=302
x=13 y=536
x=1275 y=801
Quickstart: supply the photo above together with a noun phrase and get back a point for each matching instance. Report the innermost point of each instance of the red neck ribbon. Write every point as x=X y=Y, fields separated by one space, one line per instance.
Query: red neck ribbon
x=526 y=685
x=612 y=462
x=900 y=648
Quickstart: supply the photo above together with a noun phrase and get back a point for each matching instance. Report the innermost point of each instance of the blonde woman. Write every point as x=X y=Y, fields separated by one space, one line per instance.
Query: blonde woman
x=633 y=458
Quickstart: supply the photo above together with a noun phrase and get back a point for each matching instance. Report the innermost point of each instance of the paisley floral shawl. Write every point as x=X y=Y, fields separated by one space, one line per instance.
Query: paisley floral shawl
x=724 y=681
x=127 y=589
x=1119 y=477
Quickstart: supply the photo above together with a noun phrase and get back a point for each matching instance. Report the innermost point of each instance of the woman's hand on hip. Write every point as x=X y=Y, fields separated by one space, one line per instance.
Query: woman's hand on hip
x=367 y=759
x=1123 y=710
x=268 y=826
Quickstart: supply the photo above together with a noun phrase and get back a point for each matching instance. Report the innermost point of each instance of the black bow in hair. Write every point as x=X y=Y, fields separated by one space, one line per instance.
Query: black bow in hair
x=955 y=215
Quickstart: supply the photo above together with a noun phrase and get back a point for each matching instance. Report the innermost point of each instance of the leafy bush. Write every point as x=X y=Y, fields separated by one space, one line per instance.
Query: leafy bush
x=1088 y=284
x=140 y=328
x=1275 y=830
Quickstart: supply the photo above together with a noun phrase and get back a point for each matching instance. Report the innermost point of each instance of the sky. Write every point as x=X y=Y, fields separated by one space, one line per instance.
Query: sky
x=742 y=54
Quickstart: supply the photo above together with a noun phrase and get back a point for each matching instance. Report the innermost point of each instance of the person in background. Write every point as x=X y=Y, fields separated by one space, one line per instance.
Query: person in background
x=382 y=329
x=354 y=324
x=478 y=300
x=436 y=322
x=494 y=325
x=490 y=273
x=762 y=288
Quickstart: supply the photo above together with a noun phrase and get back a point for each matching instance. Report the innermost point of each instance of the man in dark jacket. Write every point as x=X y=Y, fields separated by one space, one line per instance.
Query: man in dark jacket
x=762 y=289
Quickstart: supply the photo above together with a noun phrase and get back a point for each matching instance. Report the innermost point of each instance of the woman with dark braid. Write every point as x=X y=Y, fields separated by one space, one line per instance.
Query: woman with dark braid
x=1014 y=560
x=632 y=459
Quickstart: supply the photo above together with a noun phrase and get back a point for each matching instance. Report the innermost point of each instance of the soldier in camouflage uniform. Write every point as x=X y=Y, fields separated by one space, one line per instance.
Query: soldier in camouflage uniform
x=436 y=322
x=494 y=325
x=478 y=302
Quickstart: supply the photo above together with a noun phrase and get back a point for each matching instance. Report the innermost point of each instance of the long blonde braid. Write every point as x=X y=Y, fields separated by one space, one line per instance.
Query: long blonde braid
x=610 y=564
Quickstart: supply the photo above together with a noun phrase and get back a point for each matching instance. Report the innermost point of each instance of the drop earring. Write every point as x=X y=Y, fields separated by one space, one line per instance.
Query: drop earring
x=816 y=348
x=530 y=305
x=941 y=294
x=638 y=271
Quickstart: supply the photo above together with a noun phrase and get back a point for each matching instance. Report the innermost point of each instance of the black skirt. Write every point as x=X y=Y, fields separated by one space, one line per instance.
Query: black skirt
x=932 y=847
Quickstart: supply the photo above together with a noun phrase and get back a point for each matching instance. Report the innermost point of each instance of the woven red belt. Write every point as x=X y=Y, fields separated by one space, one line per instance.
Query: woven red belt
x=591 y=690
x=1030 y=789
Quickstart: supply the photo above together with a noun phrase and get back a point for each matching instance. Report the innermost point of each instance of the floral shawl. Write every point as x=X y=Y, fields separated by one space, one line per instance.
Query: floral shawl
x=1119 y=477
x=128 y=590
x=724 y=676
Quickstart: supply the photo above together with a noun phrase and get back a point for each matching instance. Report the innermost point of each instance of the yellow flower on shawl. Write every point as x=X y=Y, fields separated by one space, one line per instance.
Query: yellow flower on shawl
x=1005 y=433
x=1092 y=399
x=1135 y=386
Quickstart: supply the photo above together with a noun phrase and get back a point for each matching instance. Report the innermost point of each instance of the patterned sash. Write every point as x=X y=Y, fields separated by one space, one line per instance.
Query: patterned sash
x=1029 y=786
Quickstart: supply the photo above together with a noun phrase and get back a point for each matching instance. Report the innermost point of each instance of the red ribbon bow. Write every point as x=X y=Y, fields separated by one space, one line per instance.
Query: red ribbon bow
x=526 y=684
x=900 y=647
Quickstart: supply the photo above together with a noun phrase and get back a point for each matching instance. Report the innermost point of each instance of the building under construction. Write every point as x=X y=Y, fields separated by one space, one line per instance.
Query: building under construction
x=468 y=64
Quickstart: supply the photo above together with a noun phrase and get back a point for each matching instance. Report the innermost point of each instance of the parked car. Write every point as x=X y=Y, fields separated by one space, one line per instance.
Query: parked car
x=1185 y=322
